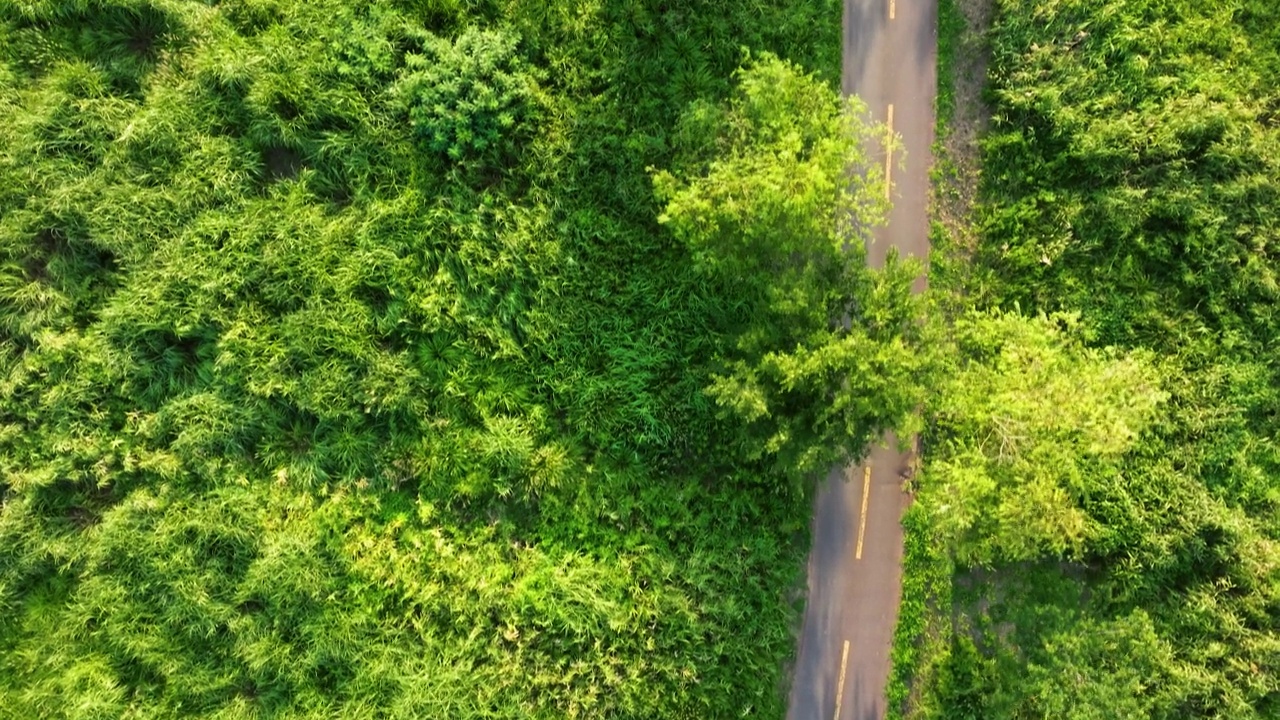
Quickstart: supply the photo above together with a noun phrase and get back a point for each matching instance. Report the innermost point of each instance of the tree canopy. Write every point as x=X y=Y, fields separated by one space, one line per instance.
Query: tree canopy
x=1034 y=424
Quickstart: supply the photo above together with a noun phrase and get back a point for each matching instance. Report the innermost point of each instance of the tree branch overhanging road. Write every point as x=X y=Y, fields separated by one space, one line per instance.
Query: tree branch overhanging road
x=889 y=61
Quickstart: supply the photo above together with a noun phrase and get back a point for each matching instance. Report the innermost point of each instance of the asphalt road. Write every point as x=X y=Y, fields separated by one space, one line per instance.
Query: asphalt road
x=855 y=564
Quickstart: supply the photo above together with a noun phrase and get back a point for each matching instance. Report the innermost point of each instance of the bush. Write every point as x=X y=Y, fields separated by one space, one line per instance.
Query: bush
x=295 y=421
x=468 y=99
x=1130 y=179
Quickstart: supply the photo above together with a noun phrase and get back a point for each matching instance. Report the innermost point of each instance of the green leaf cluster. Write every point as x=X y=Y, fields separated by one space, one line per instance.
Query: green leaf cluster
x=1034 y=426
x=468 y=97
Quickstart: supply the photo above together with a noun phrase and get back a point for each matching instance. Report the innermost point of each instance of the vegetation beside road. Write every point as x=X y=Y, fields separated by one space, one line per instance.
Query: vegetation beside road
x=423 y=359
x=470 y=359
x=1130 y=568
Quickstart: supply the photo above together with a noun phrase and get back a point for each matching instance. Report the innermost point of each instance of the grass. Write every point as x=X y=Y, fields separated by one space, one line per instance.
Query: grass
x=923 y=632
x=346 y=371
x=951 y=28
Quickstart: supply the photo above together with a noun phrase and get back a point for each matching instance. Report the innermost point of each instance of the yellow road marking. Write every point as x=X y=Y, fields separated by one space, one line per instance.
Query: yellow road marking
x=844 y=659
x=888 y=157
x=893 y=6
x=862 y=523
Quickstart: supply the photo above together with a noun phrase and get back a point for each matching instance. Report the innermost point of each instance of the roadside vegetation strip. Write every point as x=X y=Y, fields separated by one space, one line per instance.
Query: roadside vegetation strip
x=1128 y=183
x=951 y=29
x=922 y=637
x=346 y=368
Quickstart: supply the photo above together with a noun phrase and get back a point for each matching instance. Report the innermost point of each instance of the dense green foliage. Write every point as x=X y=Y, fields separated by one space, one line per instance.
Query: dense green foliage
x=346 y=369
x=1033 y=425
x=921 y=632
x=469 y=95
x=1130 y=178
x=771 y=209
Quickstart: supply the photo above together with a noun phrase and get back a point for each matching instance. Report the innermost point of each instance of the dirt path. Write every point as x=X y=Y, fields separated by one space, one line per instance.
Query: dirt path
x=855 y=565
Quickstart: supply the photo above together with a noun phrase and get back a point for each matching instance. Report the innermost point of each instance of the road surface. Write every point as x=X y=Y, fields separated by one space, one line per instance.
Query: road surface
x=855 y=565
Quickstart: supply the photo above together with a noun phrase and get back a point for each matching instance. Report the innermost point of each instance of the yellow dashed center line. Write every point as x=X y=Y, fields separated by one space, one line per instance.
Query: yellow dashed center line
x=862 y=522
x=844 y=660
x=888 y=157
x=893 y=7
